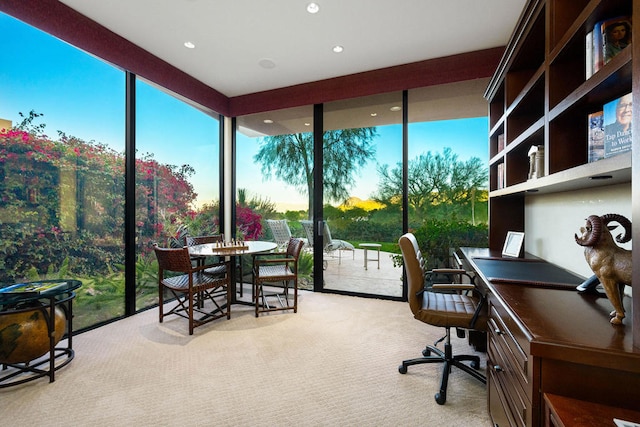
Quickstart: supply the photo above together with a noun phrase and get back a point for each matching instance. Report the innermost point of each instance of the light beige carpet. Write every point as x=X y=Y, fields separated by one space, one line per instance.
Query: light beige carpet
x=334 y=363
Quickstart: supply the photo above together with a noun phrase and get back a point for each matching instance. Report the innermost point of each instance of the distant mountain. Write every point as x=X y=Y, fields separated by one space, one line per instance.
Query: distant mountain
x=356 y=202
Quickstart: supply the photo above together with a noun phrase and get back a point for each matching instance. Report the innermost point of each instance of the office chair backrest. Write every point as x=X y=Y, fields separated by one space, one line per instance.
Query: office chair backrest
x=414 y=269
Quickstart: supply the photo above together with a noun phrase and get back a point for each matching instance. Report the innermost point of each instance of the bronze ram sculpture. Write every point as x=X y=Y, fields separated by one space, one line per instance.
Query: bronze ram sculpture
x=609 y=262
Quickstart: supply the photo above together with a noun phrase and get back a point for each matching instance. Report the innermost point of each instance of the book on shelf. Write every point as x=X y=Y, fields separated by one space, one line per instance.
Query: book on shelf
x=617 y=125
x=595 y=136
x=500 y=177
x=616 y=35
x=500 y=142
x=605 y=41
x=588 y=54
x=596 y=48
x=33 y=288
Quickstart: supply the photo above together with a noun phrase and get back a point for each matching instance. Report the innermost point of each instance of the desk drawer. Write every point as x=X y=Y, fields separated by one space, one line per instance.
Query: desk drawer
x=514 y=358
x=505 y=376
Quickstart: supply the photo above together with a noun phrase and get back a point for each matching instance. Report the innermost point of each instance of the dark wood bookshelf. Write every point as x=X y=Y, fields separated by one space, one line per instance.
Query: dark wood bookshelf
x=540 y=95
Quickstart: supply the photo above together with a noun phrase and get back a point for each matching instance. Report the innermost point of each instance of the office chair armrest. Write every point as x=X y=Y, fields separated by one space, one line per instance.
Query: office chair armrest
x=448 y=271
x=453 y=286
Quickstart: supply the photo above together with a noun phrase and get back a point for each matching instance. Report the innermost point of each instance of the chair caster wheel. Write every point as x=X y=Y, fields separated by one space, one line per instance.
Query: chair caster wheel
x=402 y=369
x=426 y=352
x=441 y=398
x=475 y=364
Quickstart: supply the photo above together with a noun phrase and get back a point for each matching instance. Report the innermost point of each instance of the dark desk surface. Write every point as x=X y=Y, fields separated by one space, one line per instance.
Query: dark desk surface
x=559 y=321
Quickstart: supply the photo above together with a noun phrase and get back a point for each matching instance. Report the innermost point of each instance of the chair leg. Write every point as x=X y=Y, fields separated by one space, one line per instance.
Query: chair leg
x=241 y=277
x=190 y=296
x=295 y=295
x=161 y=303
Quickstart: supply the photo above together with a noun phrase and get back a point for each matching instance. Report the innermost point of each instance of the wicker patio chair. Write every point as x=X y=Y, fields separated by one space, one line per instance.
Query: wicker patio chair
x=193 y=290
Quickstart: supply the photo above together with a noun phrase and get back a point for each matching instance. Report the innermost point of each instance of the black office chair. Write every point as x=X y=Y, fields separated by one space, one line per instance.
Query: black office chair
x=445 y=305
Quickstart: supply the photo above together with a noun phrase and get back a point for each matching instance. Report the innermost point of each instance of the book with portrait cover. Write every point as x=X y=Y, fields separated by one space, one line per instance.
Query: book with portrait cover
x=617 y=125
x=616 y=35
x=595 y=136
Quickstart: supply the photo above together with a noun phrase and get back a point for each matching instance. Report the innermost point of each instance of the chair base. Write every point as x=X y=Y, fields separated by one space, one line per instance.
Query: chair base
x=183 y=308
x=432 y=354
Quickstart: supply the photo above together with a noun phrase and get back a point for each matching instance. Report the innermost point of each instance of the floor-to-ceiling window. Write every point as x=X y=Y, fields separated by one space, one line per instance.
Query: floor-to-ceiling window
x=362 y=139
x=274 y=177
x=177 y=179
x=61 y=169
x=62 y=172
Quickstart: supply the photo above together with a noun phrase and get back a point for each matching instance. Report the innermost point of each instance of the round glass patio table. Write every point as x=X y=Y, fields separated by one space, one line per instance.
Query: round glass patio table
x=252 y=247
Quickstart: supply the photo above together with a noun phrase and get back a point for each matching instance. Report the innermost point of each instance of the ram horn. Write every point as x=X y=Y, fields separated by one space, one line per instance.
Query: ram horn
x=626 y=224
x=595 y=223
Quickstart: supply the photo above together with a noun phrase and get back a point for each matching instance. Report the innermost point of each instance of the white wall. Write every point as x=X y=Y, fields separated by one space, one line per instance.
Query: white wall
x=551 y=220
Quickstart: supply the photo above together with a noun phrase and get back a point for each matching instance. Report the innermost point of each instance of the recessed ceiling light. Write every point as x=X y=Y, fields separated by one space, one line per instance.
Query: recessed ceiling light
x=374 y=114
x=395 y=108
x=268 y=121
x=189 y=45
x=307 y=124
x=338 y=49
x=313 y=8
x=267 y=63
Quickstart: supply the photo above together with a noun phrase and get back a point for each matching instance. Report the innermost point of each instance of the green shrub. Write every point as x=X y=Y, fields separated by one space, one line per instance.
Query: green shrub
x=436 y=237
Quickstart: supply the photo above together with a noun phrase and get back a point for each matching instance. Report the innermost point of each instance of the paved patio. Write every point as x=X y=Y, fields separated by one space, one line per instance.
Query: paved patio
x=349 y=274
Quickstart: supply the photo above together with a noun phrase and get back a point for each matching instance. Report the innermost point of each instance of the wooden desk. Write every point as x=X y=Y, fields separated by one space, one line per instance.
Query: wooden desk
x=556 y=341
x=563 y=411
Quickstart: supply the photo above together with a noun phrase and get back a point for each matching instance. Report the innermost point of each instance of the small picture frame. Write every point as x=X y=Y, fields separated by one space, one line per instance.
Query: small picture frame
x=513 y=244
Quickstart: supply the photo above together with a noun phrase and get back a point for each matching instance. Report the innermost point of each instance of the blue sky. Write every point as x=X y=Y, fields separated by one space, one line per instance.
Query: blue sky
x=84 y=97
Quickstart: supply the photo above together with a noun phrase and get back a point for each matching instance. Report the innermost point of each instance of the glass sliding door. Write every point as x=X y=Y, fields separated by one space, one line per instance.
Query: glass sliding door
x=177 y=179
x=448 y=168
x=362 y=219
x=274 y=180
x=62 y=170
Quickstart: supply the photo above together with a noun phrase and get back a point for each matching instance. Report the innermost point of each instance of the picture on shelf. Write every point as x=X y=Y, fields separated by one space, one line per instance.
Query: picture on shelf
x=513 y=244
x=596 y=136
x=617 y=125
x=616 y=35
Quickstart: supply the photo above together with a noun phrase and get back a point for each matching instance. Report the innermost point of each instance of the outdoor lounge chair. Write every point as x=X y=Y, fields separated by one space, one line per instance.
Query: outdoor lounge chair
x=330 y=245
x=281 y=232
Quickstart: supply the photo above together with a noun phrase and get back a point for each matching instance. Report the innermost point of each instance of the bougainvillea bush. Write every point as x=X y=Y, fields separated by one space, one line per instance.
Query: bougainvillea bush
x=62 y=213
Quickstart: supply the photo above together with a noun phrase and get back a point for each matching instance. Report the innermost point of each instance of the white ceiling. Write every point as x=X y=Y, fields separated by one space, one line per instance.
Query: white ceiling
x=232 y=37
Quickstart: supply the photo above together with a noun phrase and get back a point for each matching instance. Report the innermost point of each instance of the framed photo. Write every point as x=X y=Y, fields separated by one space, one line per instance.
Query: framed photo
x=513 y=244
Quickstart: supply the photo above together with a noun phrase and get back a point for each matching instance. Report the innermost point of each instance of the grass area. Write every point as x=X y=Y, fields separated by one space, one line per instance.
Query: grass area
x=386 y=246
